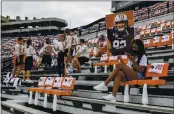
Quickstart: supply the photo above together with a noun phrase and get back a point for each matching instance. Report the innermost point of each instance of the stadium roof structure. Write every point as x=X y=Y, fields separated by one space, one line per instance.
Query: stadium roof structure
x=90 y=24
x=60 y=22
x=46 y=26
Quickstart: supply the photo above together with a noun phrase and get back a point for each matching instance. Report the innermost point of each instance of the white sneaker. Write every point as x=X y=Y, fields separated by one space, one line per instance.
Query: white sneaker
x=109 y=97
x=29 y=81
x=101 y=87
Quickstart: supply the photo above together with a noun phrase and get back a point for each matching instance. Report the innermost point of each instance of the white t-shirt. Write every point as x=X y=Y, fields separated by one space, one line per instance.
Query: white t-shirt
x=143 y=62
x=68 y=41
x=46 y=48
x=19 y=49
x=76 y=49
x=61 y=46
x=76 y=40
x=84 y=51
x=30 y=51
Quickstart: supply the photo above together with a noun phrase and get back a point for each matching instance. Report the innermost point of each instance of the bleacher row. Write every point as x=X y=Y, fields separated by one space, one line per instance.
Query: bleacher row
x=84 y=98
x=9 y=43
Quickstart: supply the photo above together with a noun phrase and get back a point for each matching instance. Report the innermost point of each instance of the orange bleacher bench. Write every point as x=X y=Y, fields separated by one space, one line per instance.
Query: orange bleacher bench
x=155 y=71
x=63 y=86
x=159 y=41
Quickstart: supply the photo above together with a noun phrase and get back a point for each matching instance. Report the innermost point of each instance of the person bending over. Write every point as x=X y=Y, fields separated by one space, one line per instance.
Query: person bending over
x=81 y=56
x=47 y=50
x=134 y=70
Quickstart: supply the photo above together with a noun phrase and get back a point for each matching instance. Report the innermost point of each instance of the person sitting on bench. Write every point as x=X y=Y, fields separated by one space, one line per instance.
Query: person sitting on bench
x=134 y=70
x=81 y=56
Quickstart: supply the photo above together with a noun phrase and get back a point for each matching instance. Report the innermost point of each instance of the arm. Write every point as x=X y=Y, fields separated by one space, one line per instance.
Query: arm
x=136 y=66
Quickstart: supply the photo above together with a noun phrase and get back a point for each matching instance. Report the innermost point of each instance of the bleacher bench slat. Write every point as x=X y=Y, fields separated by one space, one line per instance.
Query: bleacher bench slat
x=22 y=108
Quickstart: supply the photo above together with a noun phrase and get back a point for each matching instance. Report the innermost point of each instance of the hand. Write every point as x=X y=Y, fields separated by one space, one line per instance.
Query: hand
x=119 y=57
x=130 y=56
x=68 y=54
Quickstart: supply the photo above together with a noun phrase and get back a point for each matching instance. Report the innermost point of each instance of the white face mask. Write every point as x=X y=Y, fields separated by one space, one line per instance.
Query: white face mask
x=120 y=29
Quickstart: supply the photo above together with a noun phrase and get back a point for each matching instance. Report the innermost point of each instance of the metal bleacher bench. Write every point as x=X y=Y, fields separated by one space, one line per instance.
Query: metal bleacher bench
x=19 y=109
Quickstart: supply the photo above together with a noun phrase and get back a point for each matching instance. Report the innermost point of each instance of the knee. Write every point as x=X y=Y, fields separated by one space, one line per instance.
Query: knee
x=120 y=66
x=120 y=73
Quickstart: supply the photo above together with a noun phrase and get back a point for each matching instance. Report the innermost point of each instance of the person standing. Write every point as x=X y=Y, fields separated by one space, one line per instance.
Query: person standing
x=19 y=52
x=60 y=47
x=29 y=52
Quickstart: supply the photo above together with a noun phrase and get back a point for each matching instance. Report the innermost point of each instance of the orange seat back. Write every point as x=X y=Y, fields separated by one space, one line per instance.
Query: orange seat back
x=154 y=31
x=49 y=82
x=113 y=59
x=104 y=58
x=42 y=81
x=68 y=83
x=156 y=41
x=166 y=39
x=142 y=33
x=168 y=23
x=160 y=66
x=148 y=43
x=58 y=82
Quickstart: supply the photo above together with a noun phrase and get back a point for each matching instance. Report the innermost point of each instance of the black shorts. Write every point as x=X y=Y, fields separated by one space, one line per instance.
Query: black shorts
x=66 y=52
x=46 y=59
x=19 y=60
x=28 y=63
x=82 y=60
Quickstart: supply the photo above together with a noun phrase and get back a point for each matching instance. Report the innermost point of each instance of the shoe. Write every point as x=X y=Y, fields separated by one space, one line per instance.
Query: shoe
x=110 y=97
x=101 y=87
x=29 y=81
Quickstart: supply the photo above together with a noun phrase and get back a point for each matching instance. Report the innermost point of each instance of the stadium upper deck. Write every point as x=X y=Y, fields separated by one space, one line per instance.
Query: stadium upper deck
x=44 y=26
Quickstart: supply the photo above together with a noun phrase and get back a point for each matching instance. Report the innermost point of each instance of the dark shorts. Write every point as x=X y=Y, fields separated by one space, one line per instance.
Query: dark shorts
x=82 y=60
x=28 y=63
x=19 y=60
x=46 y=59
x=66 y=52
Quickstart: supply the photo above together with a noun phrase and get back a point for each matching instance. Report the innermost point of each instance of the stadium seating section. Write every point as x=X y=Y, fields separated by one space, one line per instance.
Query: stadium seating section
x=153 y=94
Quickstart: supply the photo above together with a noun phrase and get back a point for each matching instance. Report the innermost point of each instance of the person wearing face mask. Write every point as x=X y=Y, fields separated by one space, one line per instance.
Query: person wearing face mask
x=134 y=70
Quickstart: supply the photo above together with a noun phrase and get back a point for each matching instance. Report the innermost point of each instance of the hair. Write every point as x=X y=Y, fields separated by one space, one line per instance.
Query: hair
x=20 y=38
x=141 y=49
x=48 y=41
x=29 y=42
x=82 y=41
x=67 y=31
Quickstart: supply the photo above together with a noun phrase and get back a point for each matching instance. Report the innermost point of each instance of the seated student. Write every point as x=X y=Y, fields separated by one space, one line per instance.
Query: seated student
x=29 y=52
x=102 y=42
x=19 y=52
x=134 y=70
x=82 y=55
x=47 y=50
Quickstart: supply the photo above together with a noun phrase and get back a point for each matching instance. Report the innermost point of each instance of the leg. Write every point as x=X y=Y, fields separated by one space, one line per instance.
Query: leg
x=24 y=74
x=129 y=73
x=75 y=64
x=14 y=71
x=117 y=81
x=18 y=71
x=76 y=61
x=113 y=74
x=28 y=74
x=59 y=66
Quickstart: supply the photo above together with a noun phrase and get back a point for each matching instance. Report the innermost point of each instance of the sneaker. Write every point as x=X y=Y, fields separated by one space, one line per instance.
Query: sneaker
x=29 y=81
x=101 y=87
x=109 y=97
